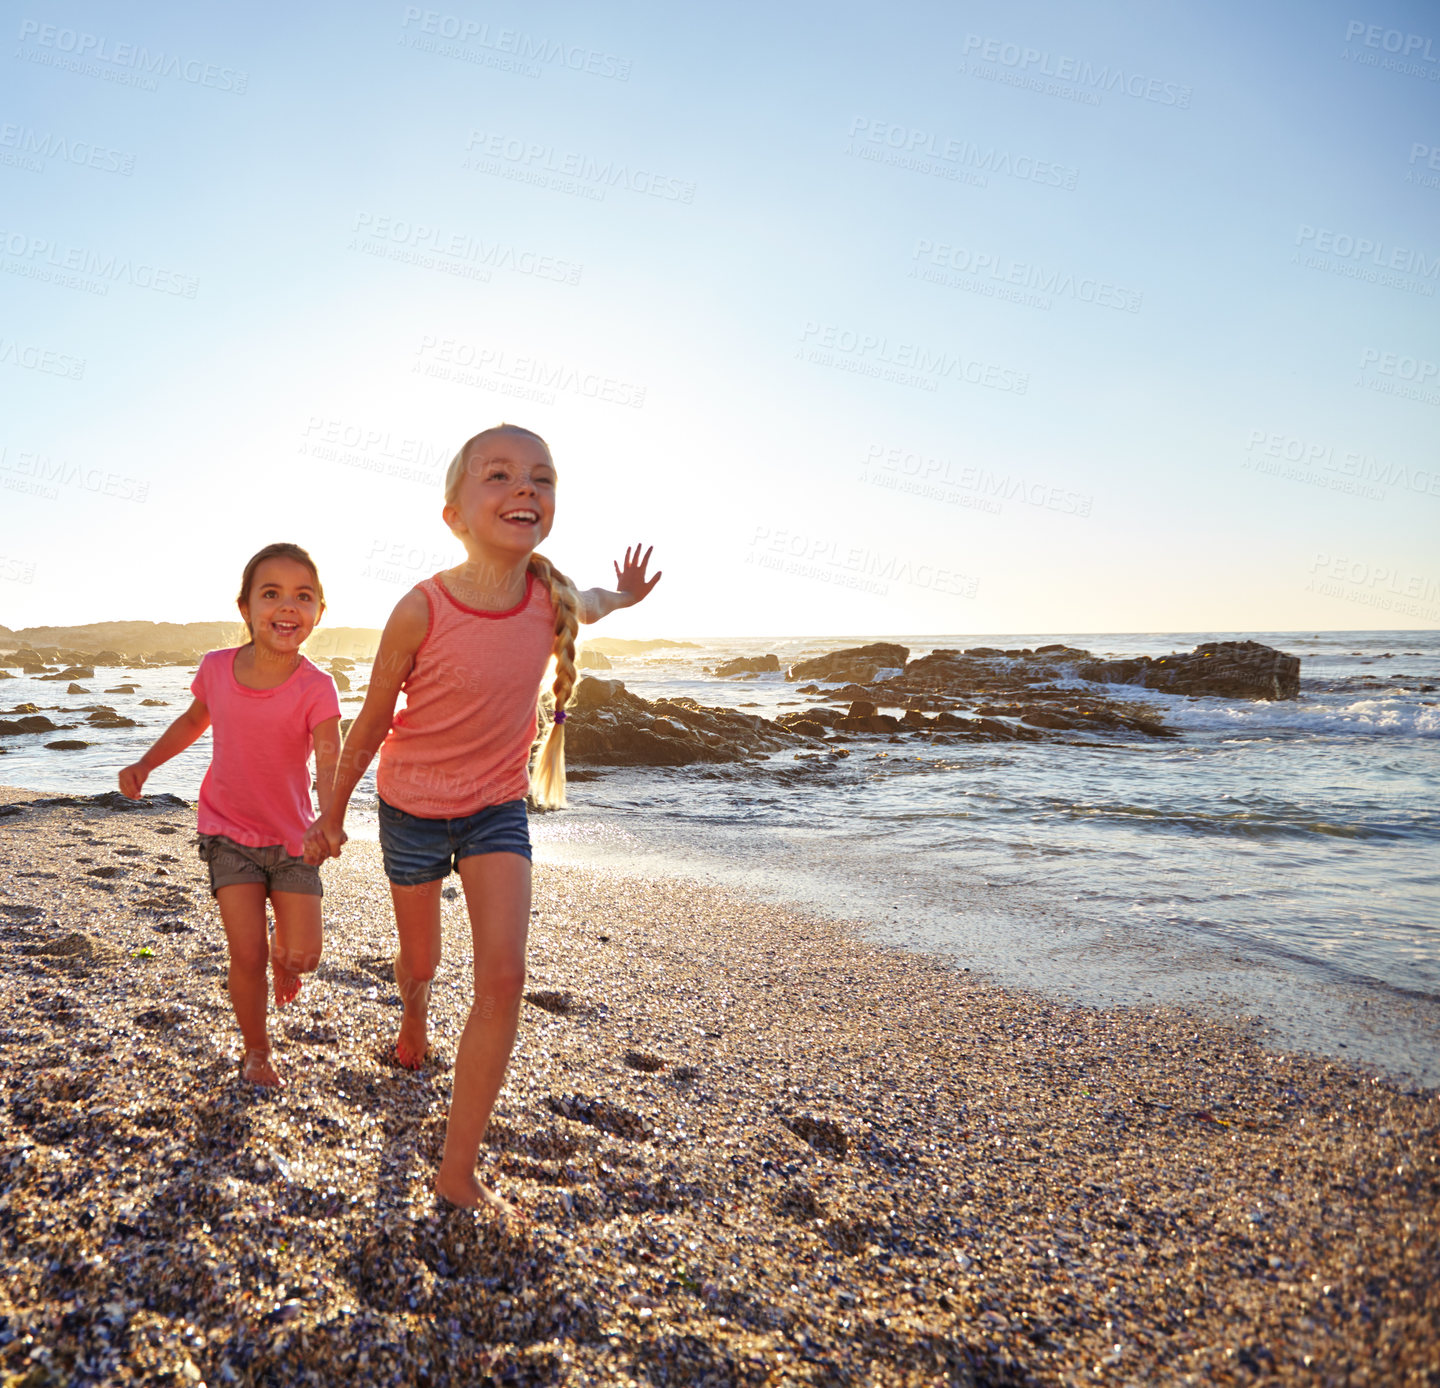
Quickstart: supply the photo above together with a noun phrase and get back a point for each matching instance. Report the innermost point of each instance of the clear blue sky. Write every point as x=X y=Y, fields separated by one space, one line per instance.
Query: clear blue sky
x=1033 y=317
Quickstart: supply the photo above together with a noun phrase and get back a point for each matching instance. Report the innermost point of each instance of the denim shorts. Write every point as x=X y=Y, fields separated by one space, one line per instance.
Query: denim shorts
x=276 y=870
x=420 y=850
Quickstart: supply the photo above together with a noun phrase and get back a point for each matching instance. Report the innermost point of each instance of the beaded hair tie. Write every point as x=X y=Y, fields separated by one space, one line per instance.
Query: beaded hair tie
x=559 y=715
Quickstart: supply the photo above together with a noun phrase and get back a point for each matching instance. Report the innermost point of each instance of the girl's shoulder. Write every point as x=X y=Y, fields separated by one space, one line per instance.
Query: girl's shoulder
x=214 y=662
x=311 y=673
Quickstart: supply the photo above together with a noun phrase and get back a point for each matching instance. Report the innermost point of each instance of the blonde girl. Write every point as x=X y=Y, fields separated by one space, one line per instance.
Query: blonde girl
x=269 y=707
x=469 y=648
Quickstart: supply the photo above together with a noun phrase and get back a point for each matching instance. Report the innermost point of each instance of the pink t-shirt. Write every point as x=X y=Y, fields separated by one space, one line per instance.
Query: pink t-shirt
x=257 y=790
x=462 y=742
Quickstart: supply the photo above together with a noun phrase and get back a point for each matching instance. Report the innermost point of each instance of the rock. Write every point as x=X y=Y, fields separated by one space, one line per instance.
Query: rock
x=758 y=664
x=123 y=689
x=592 y=660
x=608 y=726
x=1232 y=669
x=593 y=693
x=68 y=744
x=103 y=717
x=870 y=723
x=341 y=683
x=1045 y=718
x=154 y=703
x=340 y=662
x=73 y=672
x=36 y=723
x=806 y=728
x=78 y=689
x=862 y=708
x=859 y=664
x=108 y=658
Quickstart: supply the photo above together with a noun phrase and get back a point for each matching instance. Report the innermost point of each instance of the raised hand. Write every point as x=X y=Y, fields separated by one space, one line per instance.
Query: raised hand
x=631 y=580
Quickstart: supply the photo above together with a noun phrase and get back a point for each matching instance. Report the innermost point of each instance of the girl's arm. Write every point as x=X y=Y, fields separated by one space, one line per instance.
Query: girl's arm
x=327 y=741
x=326 y=737
x=401 y=639
x=631 y=586
x=174 y=740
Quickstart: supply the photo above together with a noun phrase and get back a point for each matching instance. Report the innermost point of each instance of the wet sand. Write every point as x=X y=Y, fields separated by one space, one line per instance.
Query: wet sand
x=756 y=1150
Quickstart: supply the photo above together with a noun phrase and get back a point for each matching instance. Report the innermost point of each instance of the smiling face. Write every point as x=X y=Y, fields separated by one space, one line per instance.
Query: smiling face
x=505 y=504
x=283 y=605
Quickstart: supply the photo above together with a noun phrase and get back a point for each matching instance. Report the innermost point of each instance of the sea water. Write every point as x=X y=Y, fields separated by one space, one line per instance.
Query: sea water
x=1276 y=863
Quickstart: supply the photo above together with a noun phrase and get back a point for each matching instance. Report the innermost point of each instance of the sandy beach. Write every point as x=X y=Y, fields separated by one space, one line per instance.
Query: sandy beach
x=755 y=1150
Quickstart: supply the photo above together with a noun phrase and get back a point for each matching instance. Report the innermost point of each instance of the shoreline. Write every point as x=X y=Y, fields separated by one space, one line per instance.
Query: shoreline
x=756 y=1147
x=1070 y=960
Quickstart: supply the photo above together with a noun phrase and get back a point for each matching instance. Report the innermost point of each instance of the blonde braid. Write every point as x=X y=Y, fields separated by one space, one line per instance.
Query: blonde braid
x=547 y=777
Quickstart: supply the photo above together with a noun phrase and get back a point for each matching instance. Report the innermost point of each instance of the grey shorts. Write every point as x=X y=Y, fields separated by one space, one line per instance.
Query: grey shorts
x=232 y=863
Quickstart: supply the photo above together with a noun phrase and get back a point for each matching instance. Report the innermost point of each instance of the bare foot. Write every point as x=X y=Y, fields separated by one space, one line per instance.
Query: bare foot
x=411 y=1045
x=413 y=1041
x=466 y=1192
x=287 y=984
x=258 y=1070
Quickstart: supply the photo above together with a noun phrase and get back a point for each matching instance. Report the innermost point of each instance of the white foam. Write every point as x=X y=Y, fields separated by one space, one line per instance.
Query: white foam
x=1331 y=714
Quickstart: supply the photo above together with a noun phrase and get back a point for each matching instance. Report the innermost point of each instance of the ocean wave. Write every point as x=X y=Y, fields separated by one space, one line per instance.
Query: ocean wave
x=1295 y=822
x=1327 y=712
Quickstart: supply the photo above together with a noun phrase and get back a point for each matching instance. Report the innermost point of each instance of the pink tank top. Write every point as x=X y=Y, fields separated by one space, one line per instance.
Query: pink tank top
x=462 y=742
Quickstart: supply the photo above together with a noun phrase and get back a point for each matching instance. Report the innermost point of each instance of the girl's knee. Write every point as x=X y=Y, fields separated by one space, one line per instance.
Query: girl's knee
x=499 y=990
x=250 y=960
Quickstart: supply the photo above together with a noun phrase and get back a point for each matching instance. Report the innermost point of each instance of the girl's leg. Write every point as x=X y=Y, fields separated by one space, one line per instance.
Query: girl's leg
x=417 y=918
x=296 y=947
x=497 y=895
x=242 y=911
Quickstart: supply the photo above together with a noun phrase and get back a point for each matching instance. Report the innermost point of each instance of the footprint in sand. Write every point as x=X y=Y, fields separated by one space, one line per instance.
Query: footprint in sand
x=601 y=1113
x=548 y=1000
x=163 y=1018
x=823 y=1134
x=75 y=951
x=544 y=1144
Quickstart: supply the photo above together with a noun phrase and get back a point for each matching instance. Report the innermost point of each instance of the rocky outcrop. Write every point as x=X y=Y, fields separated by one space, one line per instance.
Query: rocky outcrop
x=592 y=660
x=99 y=643
x=747 y=665
x=606 y=725
x=1231 y=669
x=31 y=723
x=857 y=664
x=103 y=716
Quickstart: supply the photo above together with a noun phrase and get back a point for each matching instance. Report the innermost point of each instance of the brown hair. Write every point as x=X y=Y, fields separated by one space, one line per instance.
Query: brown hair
x=547 y=774
x=282 y=550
